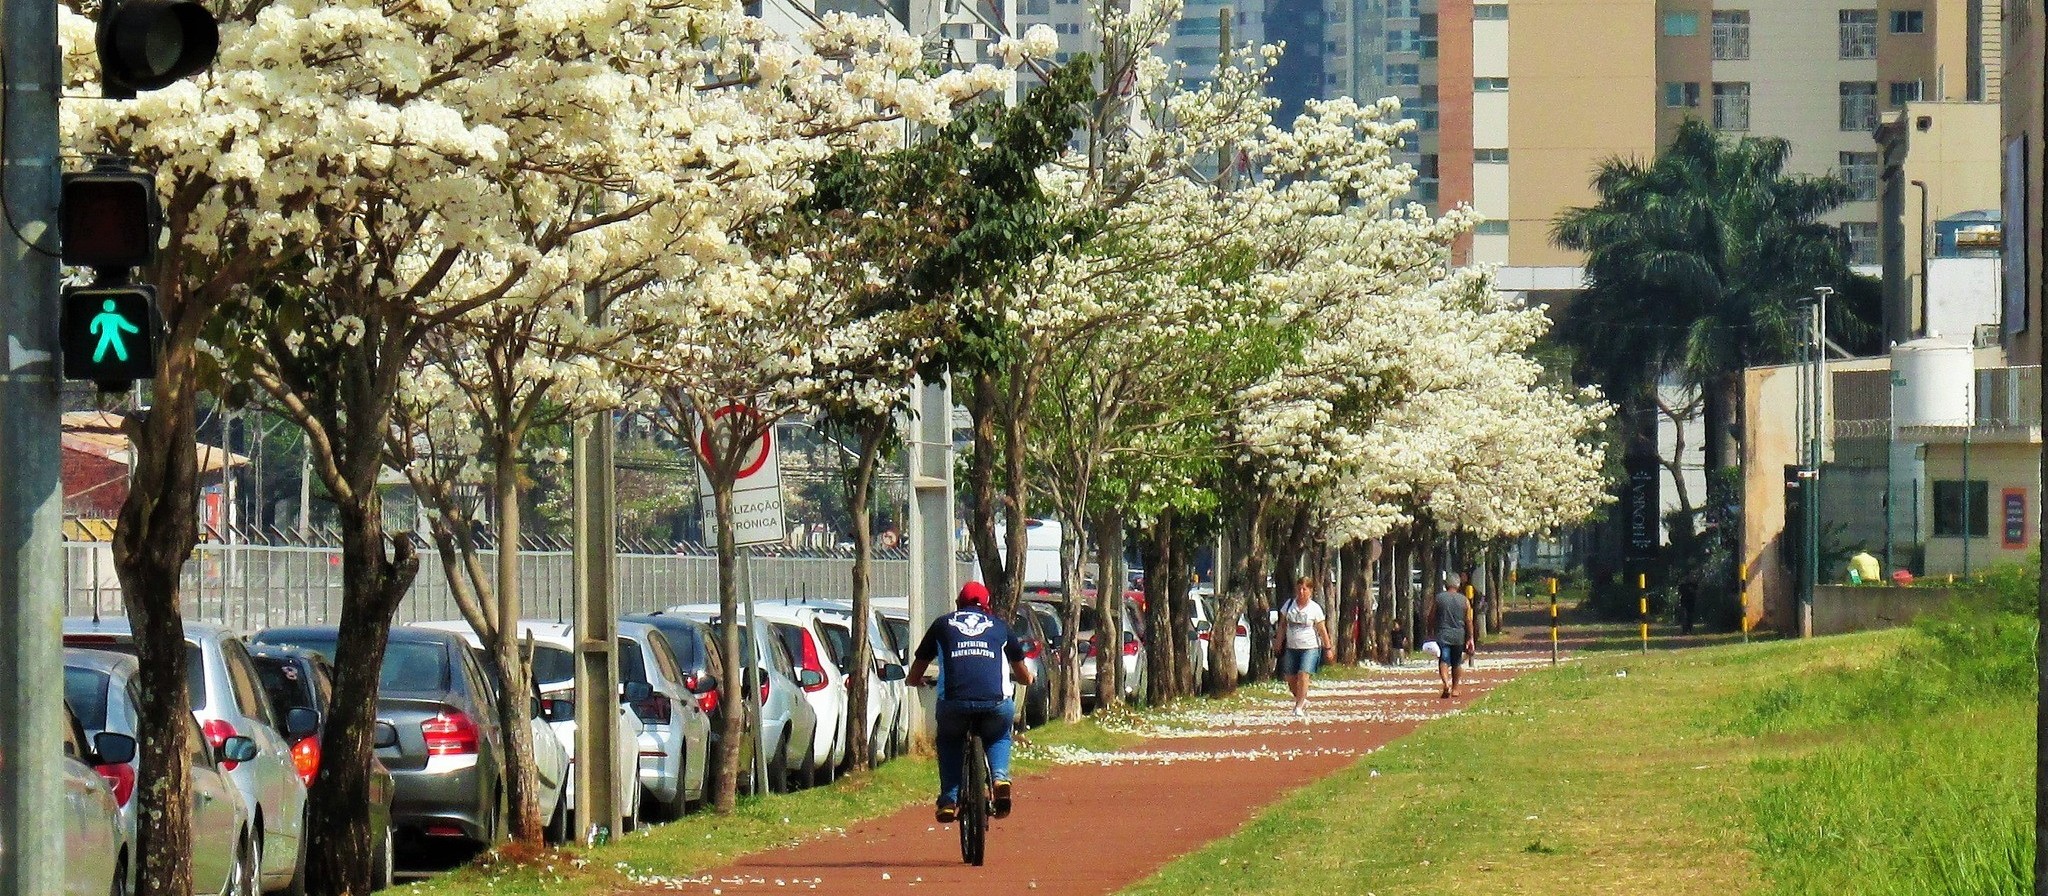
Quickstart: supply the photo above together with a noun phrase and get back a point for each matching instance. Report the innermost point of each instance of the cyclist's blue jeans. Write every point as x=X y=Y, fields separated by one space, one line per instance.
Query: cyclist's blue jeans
x=990 y=719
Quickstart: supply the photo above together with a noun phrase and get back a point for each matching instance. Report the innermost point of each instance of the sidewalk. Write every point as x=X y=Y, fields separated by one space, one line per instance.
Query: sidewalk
x=1099 y=822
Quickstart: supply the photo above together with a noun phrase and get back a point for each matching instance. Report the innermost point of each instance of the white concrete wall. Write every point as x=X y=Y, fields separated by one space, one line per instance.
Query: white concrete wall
x=1961 y=294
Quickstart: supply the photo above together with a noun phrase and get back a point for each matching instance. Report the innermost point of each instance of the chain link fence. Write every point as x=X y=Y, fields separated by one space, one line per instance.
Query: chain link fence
x=247 y=582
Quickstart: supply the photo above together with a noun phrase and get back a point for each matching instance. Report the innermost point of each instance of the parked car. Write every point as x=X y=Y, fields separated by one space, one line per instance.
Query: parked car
x=888 y=716
x=98 y=857
x=447 y=764
x=789 y=722
x=818 y=674
x=692 y=646
x=1131 y=652
x=1203 y=635
x=675 y=734
x=103 y=692
x=554 y=673
x=229 y=702
x=299 y=679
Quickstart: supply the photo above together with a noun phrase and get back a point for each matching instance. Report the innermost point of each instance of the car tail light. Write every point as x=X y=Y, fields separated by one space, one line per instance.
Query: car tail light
x=1202 y=636
x=1130 y=647
x=450 y=733
x=217 y=732
x=1086 y=647
x=443 y=830
x=812 y=664
x=1032 y=649
x=707 y=701
x=122 y=776
x=1242 y=631
x=656 y=709
x=764 y=690
x=306 y=758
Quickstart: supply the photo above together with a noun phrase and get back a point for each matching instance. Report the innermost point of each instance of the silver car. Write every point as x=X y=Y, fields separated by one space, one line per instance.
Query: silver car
x=888 y=693
x=227 y=697
x=675 y=737
x=103 y=692
x=788 y=723
x=97 y=856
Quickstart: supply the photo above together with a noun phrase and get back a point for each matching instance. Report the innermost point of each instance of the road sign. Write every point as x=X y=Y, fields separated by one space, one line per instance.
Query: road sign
x=757 y=485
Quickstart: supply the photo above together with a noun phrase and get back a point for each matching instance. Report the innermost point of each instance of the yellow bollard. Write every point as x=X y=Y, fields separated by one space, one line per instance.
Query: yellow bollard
x=1643 y=592
x=1743 y=572
x=1553 y=620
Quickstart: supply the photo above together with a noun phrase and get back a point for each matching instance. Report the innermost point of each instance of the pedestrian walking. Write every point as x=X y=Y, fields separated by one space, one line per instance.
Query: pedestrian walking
x=1450 y=619
x=1303 y=638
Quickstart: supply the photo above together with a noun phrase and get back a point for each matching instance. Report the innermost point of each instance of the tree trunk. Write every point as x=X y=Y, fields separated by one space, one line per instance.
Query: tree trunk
x=155 y=534
x=736 y=691
x=1351 y=590
x=996 y=566
x=337 y=845
x=1722 y=402
x=522 y=779
x=1154 y=548
x=1109 y=603
x=1180 y=570
x=872 y=431
x=1070 y=616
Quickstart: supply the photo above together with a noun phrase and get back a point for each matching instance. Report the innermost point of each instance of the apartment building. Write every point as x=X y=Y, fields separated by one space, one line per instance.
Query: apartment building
x=2024 y=160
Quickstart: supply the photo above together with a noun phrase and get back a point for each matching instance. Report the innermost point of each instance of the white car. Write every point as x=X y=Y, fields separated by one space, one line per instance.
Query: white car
x=554 y=673
x=97 y=858
x=800 y=629
x=675 y=738
x=888 y=693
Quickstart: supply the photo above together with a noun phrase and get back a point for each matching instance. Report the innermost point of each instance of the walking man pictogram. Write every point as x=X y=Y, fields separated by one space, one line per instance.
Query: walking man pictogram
x=109 y=325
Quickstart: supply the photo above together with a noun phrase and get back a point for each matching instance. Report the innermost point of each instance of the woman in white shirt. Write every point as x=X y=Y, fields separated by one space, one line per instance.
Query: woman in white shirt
x=1301 y=639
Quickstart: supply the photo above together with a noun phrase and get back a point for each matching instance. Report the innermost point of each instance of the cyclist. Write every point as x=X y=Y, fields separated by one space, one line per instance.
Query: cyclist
x=978 y=657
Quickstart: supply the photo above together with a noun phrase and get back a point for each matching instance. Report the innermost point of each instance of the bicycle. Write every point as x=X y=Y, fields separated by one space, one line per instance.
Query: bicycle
x=977 y=801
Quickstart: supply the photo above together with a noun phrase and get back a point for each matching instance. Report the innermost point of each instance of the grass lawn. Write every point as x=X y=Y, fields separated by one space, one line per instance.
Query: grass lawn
x=1894 y=762
x=704 y=840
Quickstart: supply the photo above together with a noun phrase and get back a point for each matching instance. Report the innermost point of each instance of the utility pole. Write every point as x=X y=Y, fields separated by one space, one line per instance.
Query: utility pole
x=597 y=628
x=928 y=467
x=31 y=497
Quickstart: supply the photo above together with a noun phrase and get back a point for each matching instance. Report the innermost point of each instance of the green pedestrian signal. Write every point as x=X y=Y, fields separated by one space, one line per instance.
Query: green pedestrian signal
x=109 y=334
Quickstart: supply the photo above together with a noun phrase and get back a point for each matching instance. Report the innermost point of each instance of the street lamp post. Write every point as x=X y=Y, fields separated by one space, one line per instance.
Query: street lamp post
x=1813 y=352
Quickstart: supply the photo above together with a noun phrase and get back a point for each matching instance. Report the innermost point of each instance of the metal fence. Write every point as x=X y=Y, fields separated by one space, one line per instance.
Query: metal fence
x=252 y=586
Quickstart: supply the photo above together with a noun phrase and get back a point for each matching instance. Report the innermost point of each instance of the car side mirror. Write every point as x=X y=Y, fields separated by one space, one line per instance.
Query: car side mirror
x=301 y=722
x=383 y=735
x=893 y=672
x=809 y=678
x=238 y=749
x=113 y=748
x=558 y=709
x=705 y=684
x=635 y=691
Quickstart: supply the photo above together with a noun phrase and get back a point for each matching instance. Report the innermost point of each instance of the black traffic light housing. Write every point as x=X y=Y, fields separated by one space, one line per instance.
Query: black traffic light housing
x=147 y=44
x=109 y=220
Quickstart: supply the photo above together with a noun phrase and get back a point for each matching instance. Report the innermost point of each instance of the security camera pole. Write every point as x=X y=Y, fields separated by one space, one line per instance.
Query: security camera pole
x=31 y=584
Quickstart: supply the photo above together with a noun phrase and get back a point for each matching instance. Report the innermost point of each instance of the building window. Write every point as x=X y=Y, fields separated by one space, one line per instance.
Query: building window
x=1859 y=169
x=1404 y=74
x=1198 y=25
x=1731 y=34
x=1427 y=190
x=1681 y=94
x=1859 y=105
x=1903 y=92
x=1681 y=24
x=1426 y=119
x=1908 y=21
x=1430 y=167
x=1859 y=34
x=1490 y=156
x=1492 y=228
x=1948 y=508
x=1401 y=40
x=1411 y=142
x=1195 y=55
x=1861 y=238
x=1731 y=105
x=1404 y=9
x=1490 y=12
x=1489 y=85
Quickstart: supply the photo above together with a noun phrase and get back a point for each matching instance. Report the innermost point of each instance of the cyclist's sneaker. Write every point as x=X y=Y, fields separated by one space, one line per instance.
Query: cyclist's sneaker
x=1003 y=799
x=947 y=811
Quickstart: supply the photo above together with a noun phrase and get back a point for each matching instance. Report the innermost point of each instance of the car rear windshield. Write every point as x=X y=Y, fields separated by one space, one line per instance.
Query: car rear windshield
x=420 y=667
x=552 y=665
x=632 y=661
x=689 y=646
x=285 y=685
x=86 y=691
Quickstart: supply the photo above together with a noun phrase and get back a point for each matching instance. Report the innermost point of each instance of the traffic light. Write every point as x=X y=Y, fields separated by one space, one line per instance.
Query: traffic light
x=109 y=220
x=109 y=334
x=147 y=44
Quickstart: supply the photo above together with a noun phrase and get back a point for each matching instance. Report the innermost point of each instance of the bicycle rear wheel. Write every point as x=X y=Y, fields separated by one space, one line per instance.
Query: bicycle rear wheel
x=974 y=802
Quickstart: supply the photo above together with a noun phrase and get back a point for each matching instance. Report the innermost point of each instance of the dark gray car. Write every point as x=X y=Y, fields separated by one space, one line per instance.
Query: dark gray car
x=445 y=768
x=297 y=679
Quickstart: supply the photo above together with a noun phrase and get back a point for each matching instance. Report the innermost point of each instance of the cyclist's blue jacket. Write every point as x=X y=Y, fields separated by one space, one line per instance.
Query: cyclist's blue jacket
x=974 y=651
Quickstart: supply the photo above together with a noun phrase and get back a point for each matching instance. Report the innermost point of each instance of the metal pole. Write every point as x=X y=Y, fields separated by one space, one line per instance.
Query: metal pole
x=31 y=497
x=758 y=772
x=598 y=802
x=1643 y=606
x=1553 y=620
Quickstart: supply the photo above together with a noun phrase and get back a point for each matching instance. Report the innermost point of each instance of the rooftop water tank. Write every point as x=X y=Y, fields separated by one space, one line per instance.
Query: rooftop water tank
x=1933 y=383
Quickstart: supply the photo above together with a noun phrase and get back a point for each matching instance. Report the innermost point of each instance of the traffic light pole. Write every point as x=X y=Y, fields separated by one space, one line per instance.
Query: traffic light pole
x=31 y=552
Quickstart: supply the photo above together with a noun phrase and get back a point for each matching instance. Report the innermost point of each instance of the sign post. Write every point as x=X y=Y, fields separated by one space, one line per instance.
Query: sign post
x=756 y=519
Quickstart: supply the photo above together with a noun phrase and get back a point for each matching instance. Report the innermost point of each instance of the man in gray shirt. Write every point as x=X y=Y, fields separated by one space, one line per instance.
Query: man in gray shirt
x=1450 y=622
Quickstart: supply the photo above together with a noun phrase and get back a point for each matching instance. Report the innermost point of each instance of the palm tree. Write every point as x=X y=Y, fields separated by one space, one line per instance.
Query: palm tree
x=1694 y=265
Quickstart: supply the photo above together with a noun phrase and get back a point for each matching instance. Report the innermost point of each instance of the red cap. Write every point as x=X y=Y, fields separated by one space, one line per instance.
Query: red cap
x=973 y=594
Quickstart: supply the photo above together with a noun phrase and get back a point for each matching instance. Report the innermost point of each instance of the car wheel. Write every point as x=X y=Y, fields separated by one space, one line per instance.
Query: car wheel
x=807 y=774
x=119 y=887
x=298 y=885
x=383 y=866
x=558 y=824
x=242 y=877
x=778 y=768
